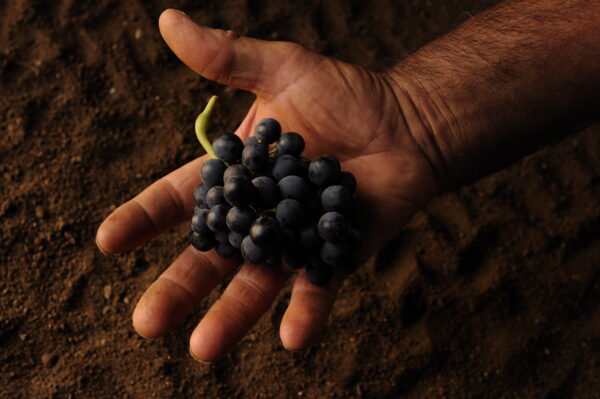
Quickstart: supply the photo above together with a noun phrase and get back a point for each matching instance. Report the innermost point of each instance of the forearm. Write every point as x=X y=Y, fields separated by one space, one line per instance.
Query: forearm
x=502 y=84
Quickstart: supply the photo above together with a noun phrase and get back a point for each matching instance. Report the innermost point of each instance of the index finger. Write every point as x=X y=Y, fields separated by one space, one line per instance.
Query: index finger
x=161 y=206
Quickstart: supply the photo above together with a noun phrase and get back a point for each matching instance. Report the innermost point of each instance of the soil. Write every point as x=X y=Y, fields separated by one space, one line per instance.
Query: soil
x=491 y=291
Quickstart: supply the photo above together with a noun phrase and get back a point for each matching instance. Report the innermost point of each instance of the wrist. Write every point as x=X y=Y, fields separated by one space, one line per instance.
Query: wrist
x=431 y=120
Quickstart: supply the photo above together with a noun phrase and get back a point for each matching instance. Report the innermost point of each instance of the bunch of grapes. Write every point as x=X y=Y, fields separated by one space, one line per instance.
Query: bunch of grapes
x=276 y=207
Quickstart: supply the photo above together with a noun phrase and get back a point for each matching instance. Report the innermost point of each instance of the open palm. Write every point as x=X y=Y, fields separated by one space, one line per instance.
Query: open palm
x=339 y=109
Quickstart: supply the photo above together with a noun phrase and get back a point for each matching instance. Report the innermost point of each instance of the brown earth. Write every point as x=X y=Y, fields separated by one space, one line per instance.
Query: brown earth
x=489 y=292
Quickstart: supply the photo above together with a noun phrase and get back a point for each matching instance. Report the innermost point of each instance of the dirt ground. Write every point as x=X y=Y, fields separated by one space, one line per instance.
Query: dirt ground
x=491 y=291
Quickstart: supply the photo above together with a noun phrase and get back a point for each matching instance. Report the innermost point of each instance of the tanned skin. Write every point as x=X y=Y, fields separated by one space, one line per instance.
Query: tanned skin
x=507 y=81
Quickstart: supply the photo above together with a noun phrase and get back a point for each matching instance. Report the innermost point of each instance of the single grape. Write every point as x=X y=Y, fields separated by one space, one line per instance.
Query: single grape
x=290 y=213
x=228 y=147
x=236 y=170
x=347 y=180
x=290 y=143
x=215 y=196
x=265 y=232
x=203 y=242
x=336 y=198
x=256 y=157
x=200 y=195
x=324 y=171
x=251 y=141
x=235 y=239
x=226 y=250
x=332 y=253
x=294 y=257
x=239 y=219
x=310 y=240
x=295 y=187
x=252 y=252
x=199 y=222
x=239 y=191
x=212 y=172
x=286 y=165
x=305 y=162
x=268 y=130
x=216 y=218
x=318 y=273
x=267 y=192
x=332 y=226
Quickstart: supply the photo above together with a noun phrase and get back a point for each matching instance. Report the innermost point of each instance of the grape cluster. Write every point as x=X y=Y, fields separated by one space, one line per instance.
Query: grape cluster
x=274 y=206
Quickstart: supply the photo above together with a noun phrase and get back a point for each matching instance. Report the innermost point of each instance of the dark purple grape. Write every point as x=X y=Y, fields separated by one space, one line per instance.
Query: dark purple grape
x=286 y=165
x=239 y=191
x=336 y=198
x=305 y=162
x=200 y=195
x=228 y=147
x=212 y=172
x=256 y=157
x=318 y=273
x=215 y=196
x=216 y=218
x=226 y=250
x=324 y=171
x=295 y=187
x=265 y=232
x=268 y=130
x=203 y=242
x=310 y=240
x=294 y=258
x=267 y=192
x=199 y=222
x=235 y=239
x=251 y=141
x=252 y=252
x=290 y=213
x=332 y=253
x=239 y=220
x=347 y=180
x=236 y=170
x=332 y=226
x=290 y=143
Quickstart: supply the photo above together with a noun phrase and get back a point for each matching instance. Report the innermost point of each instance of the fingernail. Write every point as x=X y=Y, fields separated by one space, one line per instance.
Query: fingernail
x=182 y=13
x=100 y=247
x=292 y=350
x=198 y=360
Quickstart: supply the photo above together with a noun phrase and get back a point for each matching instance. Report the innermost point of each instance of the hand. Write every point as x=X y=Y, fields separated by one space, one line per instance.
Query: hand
x=339 y=109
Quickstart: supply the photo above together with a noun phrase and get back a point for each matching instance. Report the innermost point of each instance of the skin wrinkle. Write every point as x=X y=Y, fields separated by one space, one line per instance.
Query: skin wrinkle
x=191 y=296
x=439 y=172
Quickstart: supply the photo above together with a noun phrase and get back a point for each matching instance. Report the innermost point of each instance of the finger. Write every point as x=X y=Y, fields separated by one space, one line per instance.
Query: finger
x=247 y=297
x=307 y=313
x=254 y=65
x=178 y=290
x=161 y=206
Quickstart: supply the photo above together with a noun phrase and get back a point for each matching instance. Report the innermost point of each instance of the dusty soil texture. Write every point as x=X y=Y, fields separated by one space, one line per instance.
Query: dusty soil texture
x=489 y=292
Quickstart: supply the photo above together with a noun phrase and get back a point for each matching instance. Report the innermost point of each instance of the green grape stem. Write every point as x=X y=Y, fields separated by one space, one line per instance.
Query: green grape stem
x=202 y=124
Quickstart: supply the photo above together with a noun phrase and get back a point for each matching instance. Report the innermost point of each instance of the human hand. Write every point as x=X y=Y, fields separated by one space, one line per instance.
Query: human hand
x=339 y=109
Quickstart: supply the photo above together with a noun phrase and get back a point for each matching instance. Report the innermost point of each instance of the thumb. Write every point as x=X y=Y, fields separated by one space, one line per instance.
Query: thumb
x=263 y=67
